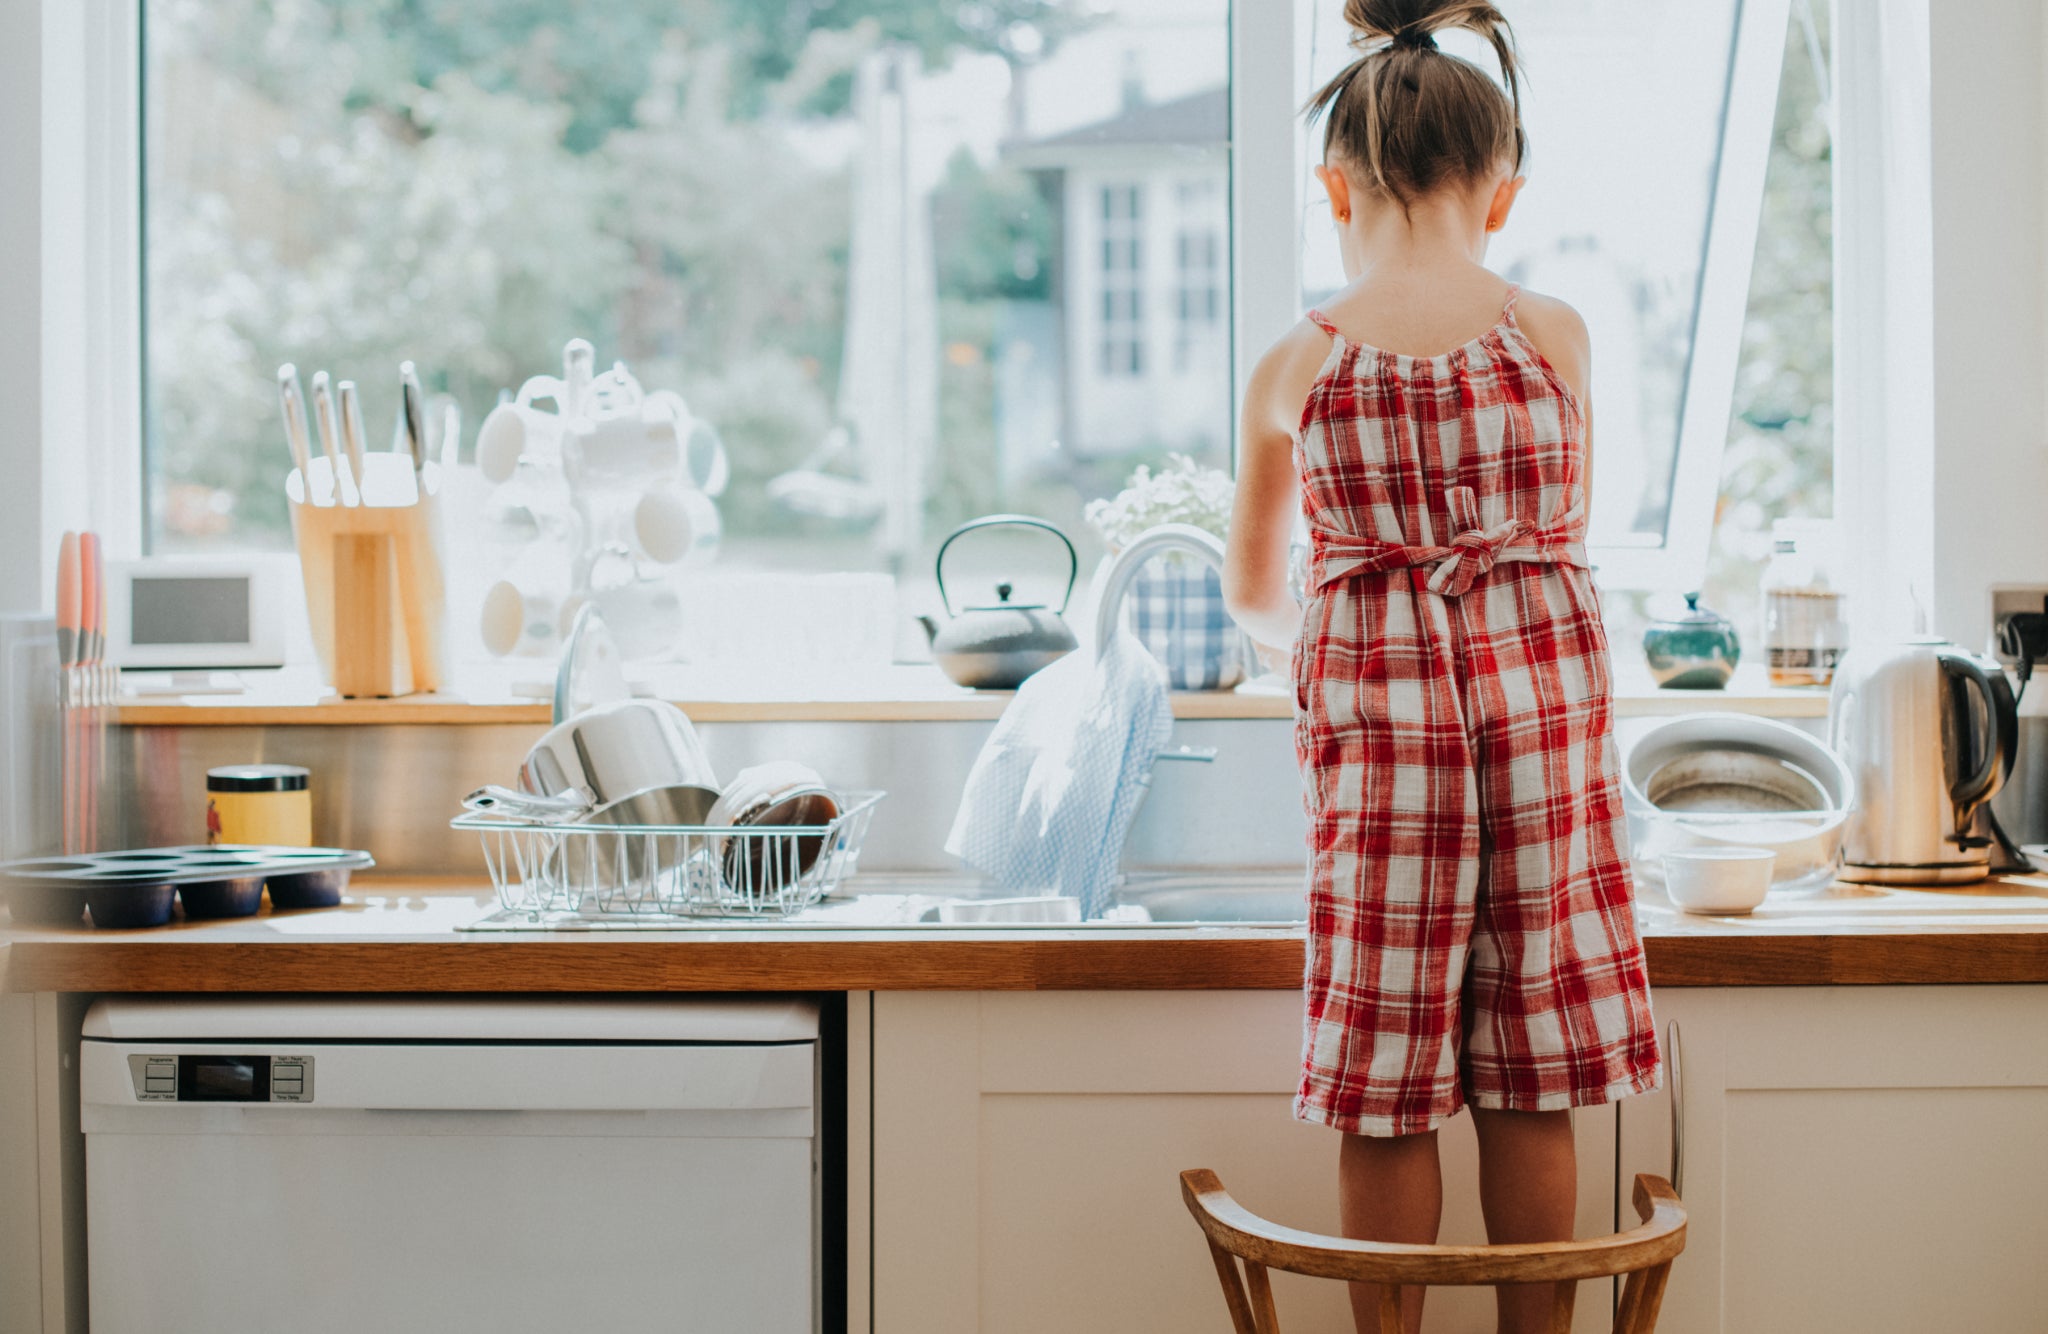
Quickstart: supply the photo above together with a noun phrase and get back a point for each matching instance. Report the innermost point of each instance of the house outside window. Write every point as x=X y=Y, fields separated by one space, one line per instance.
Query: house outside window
x=1122 y=338
x=1198 y=271
x=1143 y=381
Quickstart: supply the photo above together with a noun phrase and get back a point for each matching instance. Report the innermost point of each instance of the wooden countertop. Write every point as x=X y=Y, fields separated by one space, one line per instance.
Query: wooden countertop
x=393 y=935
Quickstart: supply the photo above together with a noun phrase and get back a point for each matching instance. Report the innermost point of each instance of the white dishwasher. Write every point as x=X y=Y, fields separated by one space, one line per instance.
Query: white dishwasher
x=451 y=1165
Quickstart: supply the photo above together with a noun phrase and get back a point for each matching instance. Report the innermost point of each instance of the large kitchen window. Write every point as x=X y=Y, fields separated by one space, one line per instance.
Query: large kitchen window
x=920 y=260
x=899 y=253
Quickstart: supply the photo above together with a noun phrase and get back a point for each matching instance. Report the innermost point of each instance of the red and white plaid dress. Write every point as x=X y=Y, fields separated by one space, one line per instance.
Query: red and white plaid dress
x=1472 y=930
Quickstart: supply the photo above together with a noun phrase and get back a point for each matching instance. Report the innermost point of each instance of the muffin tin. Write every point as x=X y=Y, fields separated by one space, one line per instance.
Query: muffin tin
x=130 y=889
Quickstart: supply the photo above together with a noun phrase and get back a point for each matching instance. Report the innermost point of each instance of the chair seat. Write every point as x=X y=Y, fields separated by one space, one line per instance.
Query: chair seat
x=1236 y=1234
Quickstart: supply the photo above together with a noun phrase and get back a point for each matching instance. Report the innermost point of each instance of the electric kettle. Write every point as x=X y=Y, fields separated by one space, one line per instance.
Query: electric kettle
x=1930 y=732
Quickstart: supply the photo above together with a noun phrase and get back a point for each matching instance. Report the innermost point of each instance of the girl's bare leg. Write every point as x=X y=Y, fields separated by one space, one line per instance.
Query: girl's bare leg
x=1389 y=1190
x=1528 y=1190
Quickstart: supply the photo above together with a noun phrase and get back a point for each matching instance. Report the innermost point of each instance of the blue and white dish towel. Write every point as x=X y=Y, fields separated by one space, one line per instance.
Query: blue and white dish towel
x=1055 y=788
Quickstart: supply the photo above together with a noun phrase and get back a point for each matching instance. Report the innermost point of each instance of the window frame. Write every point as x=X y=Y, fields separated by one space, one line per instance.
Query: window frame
x=1734 y=216
x=1269 y=164
x=1676 y=561
x=92 y=440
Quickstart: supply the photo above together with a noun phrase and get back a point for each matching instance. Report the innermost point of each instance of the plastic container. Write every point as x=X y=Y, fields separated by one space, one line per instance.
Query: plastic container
x=1805 y=626
x=269 y=804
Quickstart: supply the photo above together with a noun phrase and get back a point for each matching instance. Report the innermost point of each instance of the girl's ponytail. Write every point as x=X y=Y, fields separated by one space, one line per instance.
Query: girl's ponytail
x=1410 y=117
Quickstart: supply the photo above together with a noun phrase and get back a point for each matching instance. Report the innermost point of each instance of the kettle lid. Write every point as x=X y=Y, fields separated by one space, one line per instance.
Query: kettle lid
x=1003 y=602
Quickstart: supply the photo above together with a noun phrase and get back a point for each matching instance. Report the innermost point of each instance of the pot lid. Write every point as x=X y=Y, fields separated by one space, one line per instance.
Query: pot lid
x=1004 y=604
x=1695 y=614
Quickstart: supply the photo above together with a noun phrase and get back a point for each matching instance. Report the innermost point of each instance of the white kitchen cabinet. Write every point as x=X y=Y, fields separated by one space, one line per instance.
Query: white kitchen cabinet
x=1027 y=1148
x=1856 y=1158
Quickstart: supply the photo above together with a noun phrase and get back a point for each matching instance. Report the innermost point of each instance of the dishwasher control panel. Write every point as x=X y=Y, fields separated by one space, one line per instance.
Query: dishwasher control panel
x=216 y=1078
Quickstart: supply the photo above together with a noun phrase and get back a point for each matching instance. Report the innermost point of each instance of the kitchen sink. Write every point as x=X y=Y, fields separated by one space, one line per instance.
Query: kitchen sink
x=889 y=902
x=1278 y=897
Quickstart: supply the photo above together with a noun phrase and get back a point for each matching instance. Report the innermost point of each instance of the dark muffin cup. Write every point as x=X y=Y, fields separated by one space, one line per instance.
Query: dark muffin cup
x=223 y=898
x=46 y=905
x=123 y=906
x=308 y=889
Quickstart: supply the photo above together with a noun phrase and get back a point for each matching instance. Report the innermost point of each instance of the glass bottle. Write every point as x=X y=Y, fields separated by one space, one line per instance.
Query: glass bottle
x=1805 y=629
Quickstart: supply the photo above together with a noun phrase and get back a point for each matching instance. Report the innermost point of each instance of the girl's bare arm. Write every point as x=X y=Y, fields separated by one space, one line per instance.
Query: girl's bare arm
x=1268 y=490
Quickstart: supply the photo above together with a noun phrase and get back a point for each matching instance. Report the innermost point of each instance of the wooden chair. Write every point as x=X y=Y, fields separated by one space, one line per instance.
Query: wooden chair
x=1644 y=1254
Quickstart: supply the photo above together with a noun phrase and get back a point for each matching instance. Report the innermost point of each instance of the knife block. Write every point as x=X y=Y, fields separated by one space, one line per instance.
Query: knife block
x=374 y=588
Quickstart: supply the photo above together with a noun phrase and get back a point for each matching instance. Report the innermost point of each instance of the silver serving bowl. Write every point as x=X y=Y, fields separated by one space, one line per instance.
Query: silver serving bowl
x=1709 y=780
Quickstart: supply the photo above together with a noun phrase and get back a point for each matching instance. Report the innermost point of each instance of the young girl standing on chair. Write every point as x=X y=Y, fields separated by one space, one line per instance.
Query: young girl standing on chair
x=1472 y=936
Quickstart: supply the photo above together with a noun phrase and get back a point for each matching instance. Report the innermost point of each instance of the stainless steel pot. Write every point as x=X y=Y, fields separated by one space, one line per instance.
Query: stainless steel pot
x=615 y=753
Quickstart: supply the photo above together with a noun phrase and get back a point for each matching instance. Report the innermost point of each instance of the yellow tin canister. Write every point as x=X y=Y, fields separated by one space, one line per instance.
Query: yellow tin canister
x=260 y=803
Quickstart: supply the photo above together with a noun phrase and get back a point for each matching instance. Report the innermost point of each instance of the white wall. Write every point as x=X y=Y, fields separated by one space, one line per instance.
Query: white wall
x=68 y=286
x=1990 y=371
x=21 y=270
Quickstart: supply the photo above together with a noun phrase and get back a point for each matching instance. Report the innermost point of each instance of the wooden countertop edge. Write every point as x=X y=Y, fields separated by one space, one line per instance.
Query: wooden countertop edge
x=897 y=962
x=452 y=712
x=431 y=712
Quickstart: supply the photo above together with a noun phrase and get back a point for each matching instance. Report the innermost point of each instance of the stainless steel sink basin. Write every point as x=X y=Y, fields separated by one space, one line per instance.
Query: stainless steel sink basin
x=1179 y=899
x=1280 y=897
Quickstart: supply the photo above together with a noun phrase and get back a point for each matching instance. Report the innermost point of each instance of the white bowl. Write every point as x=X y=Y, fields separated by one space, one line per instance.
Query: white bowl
x=1721 y=881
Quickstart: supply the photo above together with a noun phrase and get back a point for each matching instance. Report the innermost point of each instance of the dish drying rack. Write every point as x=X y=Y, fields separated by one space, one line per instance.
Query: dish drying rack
x=592 y=871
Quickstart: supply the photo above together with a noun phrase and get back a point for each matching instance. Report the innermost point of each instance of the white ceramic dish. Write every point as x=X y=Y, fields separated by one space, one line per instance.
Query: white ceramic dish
x=1718 y=881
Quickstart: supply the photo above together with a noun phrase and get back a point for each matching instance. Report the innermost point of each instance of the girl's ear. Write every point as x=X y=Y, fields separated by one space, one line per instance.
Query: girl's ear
x=1339 y=191
x=1503 y=202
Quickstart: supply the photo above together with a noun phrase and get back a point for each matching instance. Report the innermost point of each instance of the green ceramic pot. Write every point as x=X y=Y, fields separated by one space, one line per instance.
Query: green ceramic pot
x=1697 y=651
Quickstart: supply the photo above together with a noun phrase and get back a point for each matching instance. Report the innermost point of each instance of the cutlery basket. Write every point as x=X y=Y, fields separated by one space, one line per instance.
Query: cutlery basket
x=677 y=870
x=373 y=580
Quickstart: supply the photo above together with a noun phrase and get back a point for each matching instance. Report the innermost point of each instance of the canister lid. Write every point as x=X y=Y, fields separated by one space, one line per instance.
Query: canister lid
x=258 y=778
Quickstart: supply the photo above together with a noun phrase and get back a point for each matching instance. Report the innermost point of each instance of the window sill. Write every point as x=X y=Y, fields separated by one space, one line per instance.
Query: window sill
x=896 y=694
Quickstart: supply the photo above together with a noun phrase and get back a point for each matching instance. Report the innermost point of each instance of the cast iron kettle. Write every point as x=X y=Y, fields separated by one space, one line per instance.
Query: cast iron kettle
x=996 y=647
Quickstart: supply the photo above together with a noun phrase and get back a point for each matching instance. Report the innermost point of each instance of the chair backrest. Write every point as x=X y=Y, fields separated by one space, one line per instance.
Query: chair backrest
x=1235 y=1233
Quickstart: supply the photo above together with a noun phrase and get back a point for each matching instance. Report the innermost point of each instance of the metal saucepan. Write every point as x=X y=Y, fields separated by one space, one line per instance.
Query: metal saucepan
x=779 y=794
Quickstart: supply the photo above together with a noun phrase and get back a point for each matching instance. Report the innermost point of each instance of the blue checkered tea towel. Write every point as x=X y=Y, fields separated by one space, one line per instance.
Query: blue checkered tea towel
x=1177 y=612
x=1055 y=788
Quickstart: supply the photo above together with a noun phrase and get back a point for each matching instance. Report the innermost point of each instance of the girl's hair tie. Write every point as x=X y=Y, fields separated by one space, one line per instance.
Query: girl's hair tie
x=1414 y=39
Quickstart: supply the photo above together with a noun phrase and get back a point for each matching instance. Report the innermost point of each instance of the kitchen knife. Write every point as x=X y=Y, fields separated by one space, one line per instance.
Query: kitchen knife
x=92 y=597
x=92 y=634
x=69 y=601
x=351 y=410
x=293 y=401
x=330 y=440
x=412 y=406
x=71 y=785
